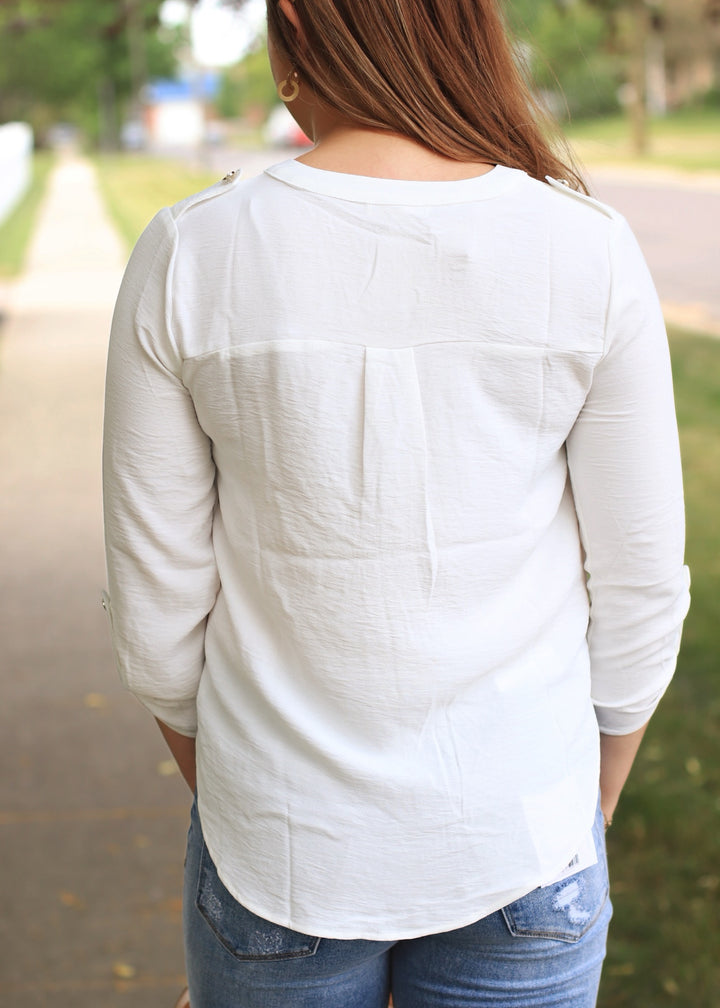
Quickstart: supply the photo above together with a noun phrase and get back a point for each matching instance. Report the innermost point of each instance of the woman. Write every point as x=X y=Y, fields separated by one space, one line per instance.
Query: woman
x=395 y=529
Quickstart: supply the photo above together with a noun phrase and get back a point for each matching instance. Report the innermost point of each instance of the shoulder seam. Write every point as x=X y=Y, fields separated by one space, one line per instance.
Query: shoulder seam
x=560 y=185
x=225 y=184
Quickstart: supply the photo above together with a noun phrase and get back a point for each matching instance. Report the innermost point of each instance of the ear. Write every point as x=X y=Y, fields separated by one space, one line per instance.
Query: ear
x=288 y=9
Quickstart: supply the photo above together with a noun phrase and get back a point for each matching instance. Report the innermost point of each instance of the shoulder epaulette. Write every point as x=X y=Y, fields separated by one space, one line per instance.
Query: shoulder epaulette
x=225 y=184
x=561 y=185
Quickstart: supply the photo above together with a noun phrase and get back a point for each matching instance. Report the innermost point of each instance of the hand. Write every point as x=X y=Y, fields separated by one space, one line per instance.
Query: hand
x=617 y=754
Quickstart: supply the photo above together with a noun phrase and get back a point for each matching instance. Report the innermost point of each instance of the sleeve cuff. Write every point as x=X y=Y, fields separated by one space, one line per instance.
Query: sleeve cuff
x=613 y=721
x=181 y=717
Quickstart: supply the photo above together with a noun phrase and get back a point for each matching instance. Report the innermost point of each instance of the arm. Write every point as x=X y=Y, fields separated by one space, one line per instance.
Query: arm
x=617 y=755
x=183 y=750
x=159 y=494
x=624 y=464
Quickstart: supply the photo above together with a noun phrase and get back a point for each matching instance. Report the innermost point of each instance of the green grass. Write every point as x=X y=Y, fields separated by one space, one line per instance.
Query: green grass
x=688 y=140
x=665 y=845
x=16 y=230
x=136 y=187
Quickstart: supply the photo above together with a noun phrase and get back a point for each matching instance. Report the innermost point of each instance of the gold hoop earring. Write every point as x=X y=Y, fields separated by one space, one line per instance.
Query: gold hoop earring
x=289 y=89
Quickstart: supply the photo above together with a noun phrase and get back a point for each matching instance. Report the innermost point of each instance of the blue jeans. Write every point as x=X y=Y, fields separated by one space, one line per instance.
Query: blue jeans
x=542 y=951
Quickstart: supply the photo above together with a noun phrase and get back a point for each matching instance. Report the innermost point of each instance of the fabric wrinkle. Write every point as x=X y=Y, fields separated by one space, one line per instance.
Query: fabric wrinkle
x=346 y=535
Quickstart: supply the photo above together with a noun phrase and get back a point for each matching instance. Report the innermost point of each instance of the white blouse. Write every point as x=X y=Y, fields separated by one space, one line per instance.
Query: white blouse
x=394 y=520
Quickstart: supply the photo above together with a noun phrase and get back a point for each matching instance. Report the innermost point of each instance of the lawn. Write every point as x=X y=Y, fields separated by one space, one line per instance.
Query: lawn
x=136 y=187
x=16 y=230
x=664 y=847
x=688 y=140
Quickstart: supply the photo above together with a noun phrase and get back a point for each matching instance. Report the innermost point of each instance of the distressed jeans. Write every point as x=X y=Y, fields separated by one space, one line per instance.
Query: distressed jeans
x=542 y=951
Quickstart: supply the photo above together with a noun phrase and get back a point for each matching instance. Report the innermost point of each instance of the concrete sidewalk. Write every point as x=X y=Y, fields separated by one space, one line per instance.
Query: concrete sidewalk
x=92 y=817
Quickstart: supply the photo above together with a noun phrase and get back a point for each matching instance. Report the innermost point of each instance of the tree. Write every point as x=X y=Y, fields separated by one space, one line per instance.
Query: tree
x=633 y=21
x=77 y=60
x=570 y=55
x=656 y=37
x=247 y=89
x=656 y=53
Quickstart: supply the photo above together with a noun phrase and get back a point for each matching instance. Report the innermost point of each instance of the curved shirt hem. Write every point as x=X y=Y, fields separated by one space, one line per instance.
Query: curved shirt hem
x=387 y=932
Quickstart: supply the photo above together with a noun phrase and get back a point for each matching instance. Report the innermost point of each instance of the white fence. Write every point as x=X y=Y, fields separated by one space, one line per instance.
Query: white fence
x=16 y=147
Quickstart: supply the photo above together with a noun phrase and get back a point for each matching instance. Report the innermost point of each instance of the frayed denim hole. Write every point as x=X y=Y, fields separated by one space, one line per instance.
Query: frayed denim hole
x=564 y=911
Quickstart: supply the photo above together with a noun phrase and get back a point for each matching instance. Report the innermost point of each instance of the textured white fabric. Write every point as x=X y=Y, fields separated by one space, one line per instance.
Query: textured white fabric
x=371 y=450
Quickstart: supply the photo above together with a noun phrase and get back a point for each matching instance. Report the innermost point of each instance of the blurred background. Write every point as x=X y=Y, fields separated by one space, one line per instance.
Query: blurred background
x=152 y=74
x=110 y=110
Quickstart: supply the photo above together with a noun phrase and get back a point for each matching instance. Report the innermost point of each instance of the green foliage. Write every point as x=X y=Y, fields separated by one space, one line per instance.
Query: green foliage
x=570 y=54
x=57 y=59
x=708 y=99
x=593 y=46
x=612 y=6
x=135 y=187
x=688 y=139
x=576 y=40
x=16 y=230
x=247 y=89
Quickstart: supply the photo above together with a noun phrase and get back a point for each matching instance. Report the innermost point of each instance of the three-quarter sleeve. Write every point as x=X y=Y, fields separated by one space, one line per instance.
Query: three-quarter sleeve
x=159 y=494
x=624 y=463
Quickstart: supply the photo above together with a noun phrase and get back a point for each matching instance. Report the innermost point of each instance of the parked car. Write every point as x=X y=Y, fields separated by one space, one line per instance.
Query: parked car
x=281 y=130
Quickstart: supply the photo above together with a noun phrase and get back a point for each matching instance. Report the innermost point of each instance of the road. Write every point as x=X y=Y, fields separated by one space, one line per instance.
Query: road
x=677 y=223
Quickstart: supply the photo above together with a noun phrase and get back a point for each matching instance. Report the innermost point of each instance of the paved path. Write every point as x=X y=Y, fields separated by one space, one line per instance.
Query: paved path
x=91 y=831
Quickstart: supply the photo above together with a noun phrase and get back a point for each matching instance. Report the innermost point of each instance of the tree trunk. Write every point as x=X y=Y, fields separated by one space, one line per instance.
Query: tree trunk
x=107 y=115
x=638 y=77
x=136 y=52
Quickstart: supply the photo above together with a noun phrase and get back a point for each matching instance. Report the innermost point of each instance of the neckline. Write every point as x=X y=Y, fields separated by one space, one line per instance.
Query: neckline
x=401 y=192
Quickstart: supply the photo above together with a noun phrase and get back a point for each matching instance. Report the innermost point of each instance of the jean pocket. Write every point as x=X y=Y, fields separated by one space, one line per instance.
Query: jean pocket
x=564 y=910
x=242 y=933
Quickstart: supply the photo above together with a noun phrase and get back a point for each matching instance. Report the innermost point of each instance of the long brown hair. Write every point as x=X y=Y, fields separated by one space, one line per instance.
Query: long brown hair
x=443 y=72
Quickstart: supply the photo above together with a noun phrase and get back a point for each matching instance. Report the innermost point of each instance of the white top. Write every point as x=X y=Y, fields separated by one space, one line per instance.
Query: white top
x=360 y=436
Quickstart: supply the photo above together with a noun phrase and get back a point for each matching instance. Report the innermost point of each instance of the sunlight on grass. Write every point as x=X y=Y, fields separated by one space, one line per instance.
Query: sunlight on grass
x=136 y=187
x=688 y=141
x=16 y=230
